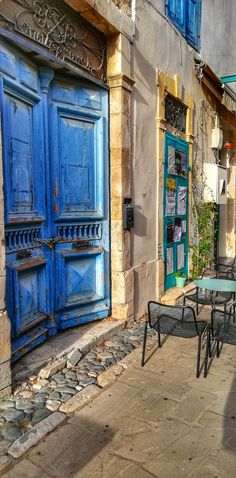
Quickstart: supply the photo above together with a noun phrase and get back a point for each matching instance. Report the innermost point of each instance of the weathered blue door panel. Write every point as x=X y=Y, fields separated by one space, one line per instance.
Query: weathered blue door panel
x=23 y=154
x=55 y=149
x=79 y=175
x=28 y=295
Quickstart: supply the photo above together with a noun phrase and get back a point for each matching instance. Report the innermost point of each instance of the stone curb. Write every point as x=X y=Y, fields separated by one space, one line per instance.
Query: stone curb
x=115 y=371
x=32 y=437
x=80 y=399
x=50 y=370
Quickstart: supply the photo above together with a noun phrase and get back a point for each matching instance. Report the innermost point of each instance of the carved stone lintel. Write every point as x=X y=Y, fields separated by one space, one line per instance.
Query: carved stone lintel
x=46 y=76
x=121 y=81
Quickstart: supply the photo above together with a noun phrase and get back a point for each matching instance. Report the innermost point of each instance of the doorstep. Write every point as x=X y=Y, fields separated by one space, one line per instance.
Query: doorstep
x=175 y=295
x=66 y=346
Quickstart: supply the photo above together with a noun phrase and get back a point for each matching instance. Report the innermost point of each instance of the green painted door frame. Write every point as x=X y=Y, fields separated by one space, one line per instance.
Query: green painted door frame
x=175 y=223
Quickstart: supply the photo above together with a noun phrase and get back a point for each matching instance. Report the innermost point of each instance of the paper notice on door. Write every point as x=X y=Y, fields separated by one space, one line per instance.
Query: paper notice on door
x=171 y=183
x=183 y=164
x=177 y=234
x=171 y=160
x=169 y=261
x=181 y=200
x=170 y=202
x=180 y=256
x=184 y=227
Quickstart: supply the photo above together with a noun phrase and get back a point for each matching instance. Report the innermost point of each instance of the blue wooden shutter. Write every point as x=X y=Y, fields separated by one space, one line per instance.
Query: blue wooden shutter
x=193 y=22
x=175 y=10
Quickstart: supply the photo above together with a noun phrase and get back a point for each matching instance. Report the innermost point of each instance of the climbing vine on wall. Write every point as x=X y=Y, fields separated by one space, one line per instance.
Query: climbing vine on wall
x=204 y=214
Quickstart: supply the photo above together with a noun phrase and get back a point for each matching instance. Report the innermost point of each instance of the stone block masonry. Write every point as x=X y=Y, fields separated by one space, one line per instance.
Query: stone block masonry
x=5 y=355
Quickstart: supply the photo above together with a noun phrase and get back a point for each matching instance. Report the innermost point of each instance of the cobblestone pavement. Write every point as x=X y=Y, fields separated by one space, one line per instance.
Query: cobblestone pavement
x=37 y=398
x=157 y=421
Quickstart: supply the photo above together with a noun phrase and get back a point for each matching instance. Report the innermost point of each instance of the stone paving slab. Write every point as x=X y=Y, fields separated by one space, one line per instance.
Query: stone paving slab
x=157 y=421
x=25 y=469
x=69 y=449
x=156 y=382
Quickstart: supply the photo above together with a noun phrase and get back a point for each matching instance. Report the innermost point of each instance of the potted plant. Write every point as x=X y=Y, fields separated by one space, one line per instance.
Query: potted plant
x=180 y=279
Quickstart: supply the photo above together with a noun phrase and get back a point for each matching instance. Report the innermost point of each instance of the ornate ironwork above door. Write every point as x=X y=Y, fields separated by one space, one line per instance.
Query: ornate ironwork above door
x=59 y=30
x=175 y=113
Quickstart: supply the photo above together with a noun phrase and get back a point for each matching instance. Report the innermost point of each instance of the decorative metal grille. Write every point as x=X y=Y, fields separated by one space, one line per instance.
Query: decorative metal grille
x=58 y=29
x=80 y=231
x=175 y=113
x=21 y=239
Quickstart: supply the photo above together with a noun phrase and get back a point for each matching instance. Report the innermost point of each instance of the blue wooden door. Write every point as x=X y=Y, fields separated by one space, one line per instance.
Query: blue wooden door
x=175 y=209
x=55 y=152
x=80 y=206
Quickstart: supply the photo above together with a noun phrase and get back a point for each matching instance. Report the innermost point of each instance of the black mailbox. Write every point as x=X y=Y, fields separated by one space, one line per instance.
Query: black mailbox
x=128 y=214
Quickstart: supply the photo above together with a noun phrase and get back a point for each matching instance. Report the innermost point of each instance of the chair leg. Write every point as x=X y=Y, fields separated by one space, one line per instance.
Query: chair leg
x=144 y=343
x=208 y=353
x=218 y=348
x=209 y=344
x=197 y=309
x=199 y=355
x=159 y=339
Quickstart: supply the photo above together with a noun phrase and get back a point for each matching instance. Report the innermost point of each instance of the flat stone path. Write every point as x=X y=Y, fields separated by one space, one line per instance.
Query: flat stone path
x=36 y=398
x=157 y=421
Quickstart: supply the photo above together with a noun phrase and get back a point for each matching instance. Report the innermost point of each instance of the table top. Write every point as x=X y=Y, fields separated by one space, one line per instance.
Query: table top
x=220 y=285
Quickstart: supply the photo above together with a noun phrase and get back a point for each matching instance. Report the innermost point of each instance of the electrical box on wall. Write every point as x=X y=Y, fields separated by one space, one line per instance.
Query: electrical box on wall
x=128 y=214
x=217 y=135
x=215 y=183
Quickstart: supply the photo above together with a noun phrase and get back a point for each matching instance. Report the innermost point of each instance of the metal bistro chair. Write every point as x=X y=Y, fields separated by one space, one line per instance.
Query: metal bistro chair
x=175 y=320
x=208 y=297
x=222 y=331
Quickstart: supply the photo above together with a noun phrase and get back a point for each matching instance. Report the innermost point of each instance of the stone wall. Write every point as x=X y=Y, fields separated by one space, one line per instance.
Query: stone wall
x=124 y=5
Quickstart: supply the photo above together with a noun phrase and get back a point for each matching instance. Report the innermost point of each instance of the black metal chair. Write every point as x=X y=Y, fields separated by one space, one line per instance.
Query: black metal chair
x=224 y=268
x=175 y=320
x=208 y=297
x=222 y=331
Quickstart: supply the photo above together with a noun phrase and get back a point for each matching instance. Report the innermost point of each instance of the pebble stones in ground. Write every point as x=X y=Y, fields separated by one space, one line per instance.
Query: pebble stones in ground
x=38 y=398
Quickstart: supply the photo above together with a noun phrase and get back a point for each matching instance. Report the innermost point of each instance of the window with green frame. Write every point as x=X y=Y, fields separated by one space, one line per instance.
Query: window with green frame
x=186 y=16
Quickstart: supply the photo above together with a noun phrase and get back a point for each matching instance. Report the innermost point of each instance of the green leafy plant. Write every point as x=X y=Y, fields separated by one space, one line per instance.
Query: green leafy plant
x=181 y=275
x=204 y=217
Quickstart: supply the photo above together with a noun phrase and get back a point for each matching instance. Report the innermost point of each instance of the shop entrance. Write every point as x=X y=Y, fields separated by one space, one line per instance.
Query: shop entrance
x=175 y=209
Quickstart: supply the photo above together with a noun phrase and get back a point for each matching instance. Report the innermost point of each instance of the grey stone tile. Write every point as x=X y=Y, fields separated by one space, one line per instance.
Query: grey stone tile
x=162 y=385
x=192 y=407
x=25 y=469
x=185 y=454
x=137 y=445
x=68 y=450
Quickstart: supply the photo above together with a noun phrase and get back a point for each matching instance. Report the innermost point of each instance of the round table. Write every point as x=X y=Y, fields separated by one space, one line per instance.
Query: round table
x=219 y=285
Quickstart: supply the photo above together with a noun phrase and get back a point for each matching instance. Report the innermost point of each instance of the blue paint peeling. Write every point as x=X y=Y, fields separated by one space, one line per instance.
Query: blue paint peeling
x=55 y=149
